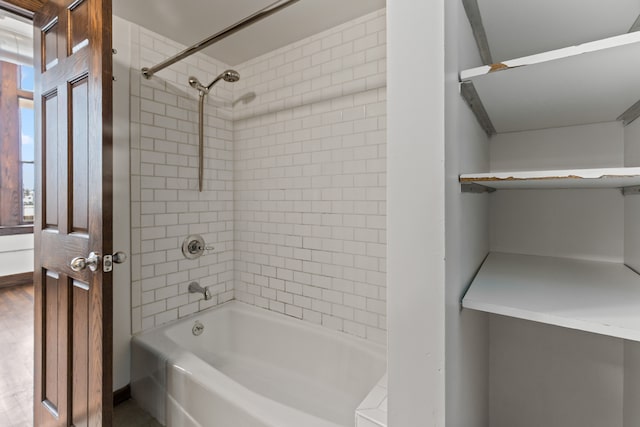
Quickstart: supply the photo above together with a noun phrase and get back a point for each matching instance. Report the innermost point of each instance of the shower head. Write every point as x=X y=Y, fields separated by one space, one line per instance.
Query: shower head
x=230 y=76
x=195 y=83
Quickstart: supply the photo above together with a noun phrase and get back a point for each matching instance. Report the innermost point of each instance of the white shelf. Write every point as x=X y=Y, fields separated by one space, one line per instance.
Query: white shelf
x=598 y=297
x=589 y=83
x=567 y=178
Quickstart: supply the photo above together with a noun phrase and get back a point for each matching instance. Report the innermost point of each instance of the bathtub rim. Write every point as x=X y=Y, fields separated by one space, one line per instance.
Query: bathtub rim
x=144 y=337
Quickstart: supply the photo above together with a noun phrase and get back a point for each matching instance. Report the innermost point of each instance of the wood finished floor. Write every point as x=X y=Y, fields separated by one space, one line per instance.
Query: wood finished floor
x=16 y=356
x=16 y=365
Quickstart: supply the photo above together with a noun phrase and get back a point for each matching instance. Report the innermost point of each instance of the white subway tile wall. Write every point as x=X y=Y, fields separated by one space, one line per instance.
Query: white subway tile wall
x=345 y=60
x=166 y=206
x=310 y=179
x=295 y=181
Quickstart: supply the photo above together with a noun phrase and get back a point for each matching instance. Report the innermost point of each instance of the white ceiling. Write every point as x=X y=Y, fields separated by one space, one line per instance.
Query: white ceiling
x=520 y=28
x=188 y=22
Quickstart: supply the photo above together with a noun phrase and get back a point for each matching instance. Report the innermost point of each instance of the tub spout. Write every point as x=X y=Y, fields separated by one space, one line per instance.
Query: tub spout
x=194 y=287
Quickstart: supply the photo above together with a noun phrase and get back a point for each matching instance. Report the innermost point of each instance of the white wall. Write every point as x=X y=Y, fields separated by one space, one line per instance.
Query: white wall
x=584 y=224
x=597 y=145
x=632 y=204
x=467 y=237
x=166 y=205
x=632 y=144
x=16 y=254
x=310 y=179
x=416 y=216
x=632 y=259
x=631 y=409
x=544 y=375
x=121 y=204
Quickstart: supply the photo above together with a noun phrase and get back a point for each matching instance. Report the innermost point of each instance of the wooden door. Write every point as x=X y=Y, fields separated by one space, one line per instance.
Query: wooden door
x=73 y=309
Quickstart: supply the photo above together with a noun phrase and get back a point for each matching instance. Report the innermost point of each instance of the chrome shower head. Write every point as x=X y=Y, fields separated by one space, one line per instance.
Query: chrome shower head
x=231 y=76
x=195 y=83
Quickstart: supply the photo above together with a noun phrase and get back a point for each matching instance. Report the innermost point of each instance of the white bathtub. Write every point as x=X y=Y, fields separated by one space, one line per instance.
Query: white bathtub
x=252 y=368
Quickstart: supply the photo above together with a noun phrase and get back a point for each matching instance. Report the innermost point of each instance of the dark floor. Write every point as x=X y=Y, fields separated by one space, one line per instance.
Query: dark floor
x=128 y=414
x=16 y=365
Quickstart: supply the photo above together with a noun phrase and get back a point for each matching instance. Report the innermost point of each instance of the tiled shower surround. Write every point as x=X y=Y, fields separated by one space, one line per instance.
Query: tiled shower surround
x=166 y=206
x=295 y=192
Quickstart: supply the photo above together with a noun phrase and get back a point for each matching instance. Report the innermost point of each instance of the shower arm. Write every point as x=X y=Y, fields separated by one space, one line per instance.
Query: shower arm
x=148 y=72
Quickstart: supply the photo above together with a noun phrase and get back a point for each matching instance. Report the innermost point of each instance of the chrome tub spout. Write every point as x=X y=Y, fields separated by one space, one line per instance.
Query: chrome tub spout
x=194 y=288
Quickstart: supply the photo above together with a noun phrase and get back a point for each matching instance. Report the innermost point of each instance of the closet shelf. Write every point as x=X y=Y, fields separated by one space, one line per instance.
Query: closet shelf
x=549 y=179
x=589 y=83
x=592 y=296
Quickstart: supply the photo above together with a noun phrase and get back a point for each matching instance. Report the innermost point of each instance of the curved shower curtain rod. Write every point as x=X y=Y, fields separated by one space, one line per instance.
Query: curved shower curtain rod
x=148 y=72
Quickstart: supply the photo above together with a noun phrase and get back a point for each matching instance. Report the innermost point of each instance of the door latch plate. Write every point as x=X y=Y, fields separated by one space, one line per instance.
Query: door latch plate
x=107 y=263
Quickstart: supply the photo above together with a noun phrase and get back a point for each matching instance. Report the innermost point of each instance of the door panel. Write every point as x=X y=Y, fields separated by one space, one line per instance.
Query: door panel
x=50 y=161
x=80 y=164
x=73 y=339
x=50 y=36
x=80 y=352
x=54 y=386
x=78 y=25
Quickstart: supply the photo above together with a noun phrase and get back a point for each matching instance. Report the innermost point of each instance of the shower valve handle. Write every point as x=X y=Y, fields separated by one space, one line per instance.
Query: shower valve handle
x=194 y=246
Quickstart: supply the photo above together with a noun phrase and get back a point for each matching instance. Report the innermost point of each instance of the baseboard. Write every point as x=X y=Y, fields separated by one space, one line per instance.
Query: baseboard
x=16 y=279
x=121 y=395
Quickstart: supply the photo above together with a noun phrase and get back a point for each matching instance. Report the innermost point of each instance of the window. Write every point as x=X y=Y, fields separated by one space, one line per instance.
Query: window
x=27 y=154
x=17 y=180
